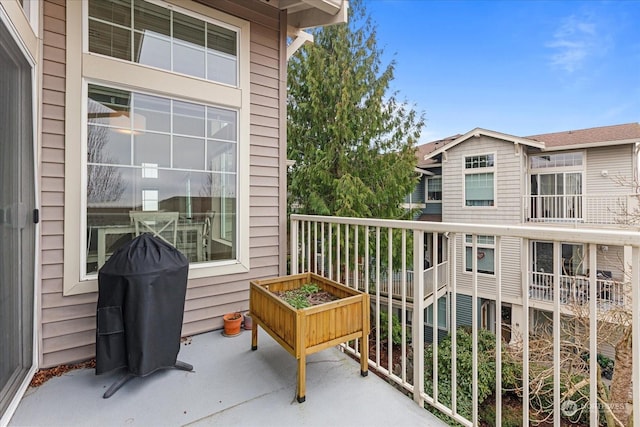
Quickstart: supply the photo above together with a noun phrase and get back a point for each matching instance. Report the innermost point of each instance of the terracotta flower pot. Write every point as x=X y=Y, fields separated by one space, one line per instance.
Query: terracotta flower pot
x=232 y=323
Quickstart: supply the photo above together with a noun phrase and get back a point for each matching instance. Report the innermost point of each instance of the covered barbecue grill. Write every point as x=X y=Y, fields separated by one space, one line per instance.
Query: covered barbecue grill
x=142 y=289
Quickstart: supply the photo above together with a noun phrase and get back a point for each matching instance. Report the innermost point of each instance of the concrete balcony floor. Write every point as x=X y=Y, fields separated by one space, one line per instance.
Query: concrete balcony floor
x=230 y=385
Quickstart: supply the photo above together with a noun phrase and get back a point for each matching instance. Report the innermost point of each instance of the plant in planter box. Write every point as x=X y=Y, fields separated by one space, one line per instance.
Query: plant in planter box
x=303 y=331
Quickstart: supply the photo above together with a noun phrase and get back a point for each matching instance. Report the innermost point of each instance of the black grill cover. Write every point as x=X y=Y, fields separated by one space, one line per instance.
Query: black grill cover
x=142 y=289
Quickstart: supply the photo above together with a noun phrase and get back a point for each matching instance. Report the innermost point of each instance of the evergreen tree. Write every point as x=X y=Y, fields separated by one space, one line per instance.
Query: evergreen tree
x=353 y=144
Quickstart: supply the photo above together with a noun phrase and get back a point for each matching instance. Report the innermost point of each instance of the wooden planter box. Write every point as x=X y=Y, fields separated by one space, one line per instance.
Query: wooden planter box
x=309 y=330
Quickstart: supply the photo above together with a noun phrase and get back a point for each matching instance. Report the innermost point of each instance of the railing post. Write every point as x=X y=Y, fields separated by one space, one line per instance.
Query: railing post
x=635 y=339
x=418 y=318
x=557 y=268
x=524 y=326
x=593 y=336
x=294 y=246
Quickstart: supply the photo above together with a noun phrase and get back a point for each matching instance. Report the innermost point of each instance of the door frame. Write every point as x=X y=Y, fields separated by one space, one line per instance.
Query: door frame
x=21 y=28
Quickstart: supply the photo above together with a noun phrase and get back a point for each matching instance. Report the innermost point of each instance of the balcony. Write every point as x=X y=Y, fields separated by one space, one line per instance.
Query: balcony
x=601 y=209
x=235 y=385
x=230 y=385
x=575 y=290
x=545 y=337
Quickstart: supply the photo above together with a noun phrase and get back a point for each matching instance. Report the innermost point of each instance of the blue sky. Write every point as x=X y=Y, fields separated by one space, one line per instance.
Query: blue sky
x=519 y=67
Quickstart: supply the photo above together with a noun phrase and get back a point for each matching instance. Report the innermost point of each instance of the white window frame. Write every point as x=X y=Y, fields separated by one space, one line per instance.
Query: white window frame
x=426 y=190
x=475 y=171
x=582 y=169
x=83 y=67
x=564 y=170
x=468 y=269
x=25 y=23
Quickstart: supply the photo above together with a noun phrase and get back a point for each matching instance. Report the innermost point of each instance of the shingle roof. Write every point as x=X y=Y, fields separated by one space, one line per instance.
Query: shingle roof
x=424 y=149
x=587 y=136
x=604 y=134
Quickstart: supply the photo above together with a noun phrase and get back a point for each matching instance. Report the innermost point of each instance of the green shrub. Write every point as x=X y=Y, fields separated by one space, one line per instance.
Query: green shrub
x=511 y=417
x=511 y=371
x=396 y=328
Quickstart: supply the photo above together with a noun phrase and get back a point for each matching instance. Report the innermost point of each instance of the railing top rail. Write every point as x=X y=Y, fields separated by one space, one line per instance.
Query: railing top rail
x=564 y=234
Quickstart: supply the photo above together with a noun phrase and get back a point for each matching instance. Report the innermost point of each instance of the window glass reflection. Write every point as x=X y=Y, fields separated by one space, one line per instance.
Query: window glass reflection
x=149 y=164
x=167 y=39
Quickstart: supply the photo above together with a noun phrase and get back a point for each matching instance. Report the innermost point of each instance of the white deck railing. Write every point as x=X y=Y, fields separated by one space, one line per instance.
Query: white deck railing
x=575 y=289
x=398 y=285
x=345 y=242
x=589 y=209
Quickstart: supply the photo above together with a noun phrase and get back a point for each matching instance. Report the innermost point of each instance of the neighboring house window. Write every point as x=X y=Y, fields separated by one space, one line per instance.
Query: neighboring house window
x=479 y=177
x=164 y=128
x=556 y=186
x=443 y=321
x=434 y=189
x=485 y=254
x=560 y=160
x=573 y=258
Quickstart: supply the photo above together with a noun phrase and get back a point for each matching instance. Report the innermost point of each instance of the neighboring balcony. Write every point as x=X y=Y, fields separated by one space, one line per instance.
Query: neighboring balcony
x=602 y=209
x=610 y=293
x=548 y=330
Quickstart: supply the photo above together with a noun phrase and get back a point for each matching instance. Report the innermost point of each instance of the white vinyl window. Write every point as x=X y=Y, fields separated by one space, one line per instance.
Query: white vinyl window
x=560 y=160
x=556 y=186
x=485 y=254
x=150 y=34
x=158 y=150
x=479 y=180
x=434 y=189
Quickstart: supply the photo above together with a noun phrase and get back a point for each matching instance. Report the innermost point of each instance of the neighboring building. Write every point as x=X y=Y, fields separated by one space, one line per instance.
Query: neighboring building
x=123 y=116
x=565 y=178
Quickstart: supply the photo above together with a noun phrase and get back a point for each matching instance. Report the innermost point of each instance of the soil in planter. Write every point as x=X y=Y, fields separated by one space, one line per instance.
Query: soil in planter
x=305 y=296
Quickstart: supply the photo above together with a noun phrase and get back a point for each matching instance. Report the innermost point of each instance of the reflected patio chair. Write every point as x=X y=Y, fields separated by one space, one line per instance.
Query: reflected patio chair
x=161 y=224
x=207 y=234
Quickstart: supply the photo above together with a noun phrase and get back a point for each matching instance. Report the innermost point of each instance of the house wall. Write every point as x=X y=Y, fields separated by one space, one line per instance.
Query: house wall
x=612 y=260
x=617 y=161
x=487 y=287
x=68 y=322
x=509 y=183
x=417 y=196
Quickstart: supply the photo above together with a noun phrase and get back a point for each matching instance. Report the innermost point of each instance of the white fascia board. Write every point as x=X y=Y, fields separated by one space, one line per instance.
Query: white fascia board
x=327 y=6
x=477 y=132
x=316 y=17
x=423 y=172
x=592 y=145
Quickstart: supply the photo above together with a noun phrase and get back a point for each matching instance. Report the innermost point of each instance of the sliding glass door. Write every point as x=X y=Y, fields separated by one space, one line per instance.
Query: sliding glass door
x=17 y=229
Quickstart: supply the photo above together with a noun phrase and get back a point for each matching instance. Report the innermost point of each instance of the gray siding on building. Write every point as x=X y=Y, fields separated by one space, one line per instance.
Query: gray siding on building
x=463 y=310
x=68 y=322
x=509 y=181
x=617 y=161
x=417 y=195
x=612 y=260
x=433 y=208
x=428 y=334
x=510 y=267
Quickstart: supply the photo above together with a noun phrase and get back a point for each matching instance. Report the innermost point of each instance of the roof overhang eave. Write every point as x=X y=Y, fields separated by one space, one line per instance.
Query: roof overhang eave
x=592 y=145
x=423 y=172
x=478 y=132
x=303 y=14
